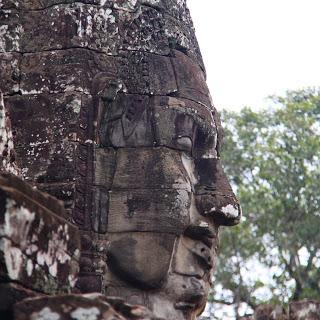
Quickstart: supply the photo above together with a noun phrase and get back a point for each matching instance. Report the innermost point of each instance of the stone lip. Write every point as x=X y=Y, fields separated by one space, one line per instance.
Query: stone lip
x=92 y=306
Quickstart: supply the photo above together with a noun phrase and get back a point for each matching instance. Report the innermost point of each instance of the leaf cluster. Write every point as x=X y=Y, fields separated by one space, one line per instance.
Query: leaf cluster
x=272 y=159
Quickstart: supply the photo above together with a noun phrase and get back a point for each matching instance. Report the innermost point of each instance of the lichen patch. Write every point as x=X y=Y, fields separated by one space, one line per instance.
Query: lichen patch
x=13 y=258
x=6 y=138
x=56 y=252
x=45 y=314
x=18 y=220
x=230 y=211
x=3 y=31
x=85 y=313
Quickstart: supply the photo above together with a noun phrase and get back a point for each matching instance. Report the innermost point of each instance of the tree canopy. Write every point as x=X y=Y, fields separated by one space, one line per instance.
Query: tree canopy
x=272 y=159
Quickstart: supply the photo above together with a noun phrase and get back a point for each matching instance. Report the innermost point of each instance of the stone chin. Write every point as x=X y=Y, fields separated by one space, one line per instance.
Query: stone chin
x=183 y=297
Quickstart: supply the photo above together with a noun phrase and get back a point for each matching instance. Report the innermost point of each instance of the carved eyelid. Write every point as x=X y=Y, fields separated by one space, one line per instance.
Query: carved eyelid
x=209 y=131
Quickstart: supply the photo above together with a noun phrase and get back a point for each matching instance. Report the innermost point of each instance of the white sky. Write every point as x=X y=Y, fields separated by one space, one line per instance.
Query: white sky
x=256 y=48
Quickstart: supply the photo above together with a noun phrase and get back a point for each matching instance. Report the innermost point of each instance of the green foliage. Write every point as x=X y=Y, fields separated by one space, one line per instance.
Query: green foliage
x=272 y=159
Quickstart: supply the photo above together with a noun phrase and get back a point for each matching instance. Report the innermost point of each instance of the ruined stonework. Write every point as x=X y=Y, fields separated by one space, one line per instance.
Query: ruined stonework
x=39 y=249
x=80 y=307
x=297 y=310
x=111 y=114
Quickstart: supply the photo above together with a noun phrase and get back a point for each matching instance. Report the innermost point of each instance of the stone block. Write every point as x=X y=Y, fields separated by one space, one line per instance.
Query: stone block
x=100 y=208
x=9 y=72
x=193 y=259
x=195 y=87
x=99 y=28
x=64 y=70
x=135 y=164
x=28 y=5
x=183 y=124
x=38 y=248
x=127 y=123
x=149 y=210
x=144 y=31
x=11 y=30
x=147 y=73
x=11 y=293
x=66 y=26
x=270 y=312
x=47 y=129
x=141 y=258
x=44 y=199
x=304 y=310
x=86 y=306
x=104 y=167
x=61 y=191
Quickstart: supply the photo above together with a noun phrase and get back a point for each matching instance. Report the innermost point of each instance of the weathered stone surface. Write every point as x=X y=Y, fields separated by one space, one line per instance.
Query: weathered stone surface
x=184 y=125
x=10 y=72
x=62 y=191
x=189 y=293
x=298 y=310
x=65 y=70
x=11 y=31
x=149 y=210
x=48 y=125
x=39 y=249
x=146 y=73
x=304 y=310
x=13 y=182
x=90 y=306
x=83 y=70
x=104 y=167
x=130 y=25
x=7 y=153
x=82 y=25
x=11 y=293
x=127 y=122
x=269 y=312
x=134 y=165
x=93 y=259
x=214 y=196
x=40 y=4
x=131 y=311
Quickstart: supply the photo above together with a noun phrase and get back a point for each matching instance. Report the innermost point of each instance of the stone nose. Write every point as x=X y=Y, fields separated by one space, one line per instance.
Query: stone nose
x=214 y=195
x=223 y=209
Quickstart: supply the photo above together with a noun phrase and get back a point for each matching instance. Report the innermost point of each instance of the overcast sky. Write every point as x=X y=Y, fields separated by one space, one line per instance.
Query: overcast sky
x=255 y=48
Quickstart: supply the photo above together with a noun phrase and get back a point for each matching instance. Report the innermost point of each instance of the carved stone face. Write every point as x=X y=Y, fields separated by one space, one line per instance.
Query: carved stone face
x=112 y=115
x=167 y=199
